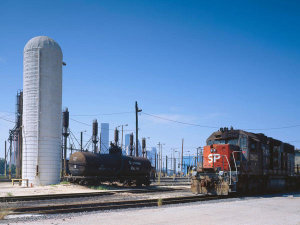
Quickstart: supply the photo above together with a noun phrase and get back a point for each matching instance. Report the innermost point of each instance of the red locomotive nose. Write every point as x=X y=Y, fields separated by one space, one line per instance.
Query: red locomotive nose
x=217 y=156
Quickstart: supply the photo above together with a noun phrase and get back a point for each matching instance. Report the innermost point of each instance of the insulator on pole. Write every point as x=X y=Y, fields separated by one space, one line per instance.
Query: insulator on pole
x=95 y=128
x=143 y=146
x=116 y=136
x=95 y=135
x=131 y=143
x=66 y=118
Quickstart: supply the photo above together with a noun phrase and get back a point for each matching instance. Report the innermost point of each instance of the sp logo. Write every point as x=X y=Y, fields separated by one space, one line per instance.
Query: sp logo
x=213 y=157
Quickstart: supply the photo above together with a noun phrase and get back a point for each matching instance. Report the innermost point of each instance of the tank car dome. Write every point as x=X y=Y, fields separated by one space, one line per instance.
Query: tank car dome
x=41 y=42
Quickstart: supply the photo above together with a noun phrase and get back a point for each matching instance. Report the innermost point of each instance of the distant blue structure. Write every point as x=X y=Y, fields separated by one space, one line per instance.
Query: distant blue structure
x=151 y=155
x=104 y=139
x=127 y=142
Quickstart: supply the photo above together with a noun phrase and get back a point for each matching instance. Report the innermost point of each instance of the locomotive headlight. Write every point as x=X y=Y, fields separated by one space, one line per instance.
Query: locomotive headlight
x=212 y=150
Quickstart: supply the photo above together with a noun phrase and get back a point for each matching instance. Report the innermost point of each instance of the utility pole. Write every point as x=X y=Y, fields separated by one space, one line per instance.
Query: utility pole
x=174 y=166
x=100 y=145
x=166 y=165
x=131 y=143
x=143 y=146
x=159 y=162
x=202 y=158
x=65 y=135
x=122 y=139
x=155 y=161
x=10 y=148
x=197 y=156
x=161 y=157
x=95 y=135
x=182 y=155
x=5 y=159
x=171 y=162
x=137 y=110
x=122 y=126
x=81 y=134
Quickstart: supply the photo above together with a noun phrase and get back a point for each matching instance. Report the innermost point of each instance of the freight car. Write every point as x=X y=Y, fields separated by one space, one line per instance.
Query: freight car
x=244 y=162
x=88 y=167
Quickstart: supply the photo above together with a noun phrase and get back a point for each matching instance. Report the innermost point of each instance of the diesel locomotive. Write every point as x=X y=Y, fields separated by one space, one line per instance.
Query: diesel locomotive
x=94 y=168
x=236 y=161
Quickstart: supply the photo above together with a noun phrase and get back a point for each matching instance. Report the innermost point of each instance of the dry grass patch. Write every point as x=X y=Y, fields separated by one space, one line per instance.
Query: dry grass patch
x=3 y=213
x=9 y=194
x=159 y=202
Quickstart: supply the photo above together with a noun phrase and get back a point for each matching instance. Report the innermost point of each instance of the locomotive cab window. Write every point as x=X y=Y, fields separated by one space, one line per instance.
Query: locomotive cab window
x=253 y=145
x=219 y=142
x=232 y=141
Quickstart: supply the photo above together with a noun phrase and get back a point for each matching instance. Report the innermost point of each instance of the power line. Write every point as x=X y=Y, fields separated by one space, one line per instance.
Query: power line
x=180 y=122
x=273 y=128
x=205 y=126
x=106 y=114
x=74 y=138
x=3 y=118
x=81 y=122
x=7 y=112
x=90 y=125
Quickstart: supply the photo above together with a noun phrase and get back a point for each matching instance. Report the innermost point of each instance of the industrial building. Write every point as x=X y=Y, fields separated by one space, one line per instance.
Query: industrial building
x=104 y=139
x=127 y=141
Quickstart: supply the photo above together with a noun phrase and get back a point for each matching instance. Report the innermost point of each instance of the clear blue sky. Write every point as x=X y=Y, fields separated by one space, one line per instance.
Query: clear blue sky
x=216 y=63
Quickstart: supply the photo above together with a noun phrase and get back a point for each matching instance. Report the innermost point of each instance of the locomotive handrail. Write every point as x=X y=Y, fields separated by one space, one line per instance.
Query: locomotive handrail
x=235 y=164
x=229 y=169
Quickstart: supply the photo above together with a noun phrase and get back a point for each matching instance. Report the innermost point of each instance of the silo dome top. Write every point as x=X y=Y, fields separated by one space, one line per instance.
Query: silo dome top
x=41 y=42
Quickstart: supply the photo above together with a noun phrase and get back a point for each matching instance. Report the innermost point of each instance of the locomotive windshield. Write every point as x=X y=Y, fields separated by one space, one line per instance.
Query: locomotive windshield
x=223 y=141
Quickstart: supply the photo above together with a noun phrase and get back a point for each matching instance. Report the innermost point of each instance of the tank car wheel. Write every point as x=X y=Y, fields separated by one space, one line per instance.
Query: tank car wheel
x=129 y=182
x=147 y=182
x=139 y=183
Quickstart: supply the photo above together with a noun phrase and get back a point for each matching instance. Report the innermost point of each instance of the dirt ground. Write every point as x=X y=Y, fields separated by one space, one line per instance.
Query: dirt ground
x=259 y=210
x=7 y=189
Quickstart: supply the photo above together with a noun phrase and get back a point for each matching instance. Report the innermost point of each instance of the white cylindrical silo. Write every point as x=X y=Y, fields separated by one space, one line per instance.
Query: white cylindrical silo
x=42 y=104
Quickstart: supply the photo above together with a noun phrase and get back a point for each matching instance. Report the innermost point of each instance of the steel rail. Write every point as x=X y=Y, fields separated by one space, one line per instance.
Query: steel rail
x=84 y=207
x=87 y=194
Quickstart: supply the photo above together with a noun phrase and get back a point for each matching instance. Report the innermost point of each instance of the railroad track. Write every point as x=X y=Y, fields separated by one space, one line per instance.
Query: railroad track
x=171 y=181
x=79 y=195
x=84 y=207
